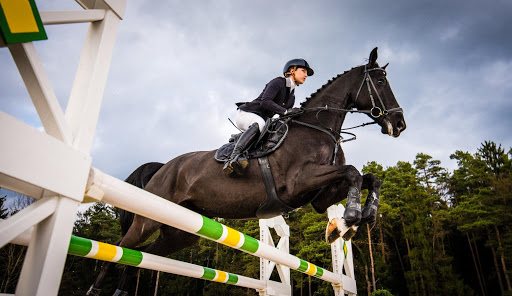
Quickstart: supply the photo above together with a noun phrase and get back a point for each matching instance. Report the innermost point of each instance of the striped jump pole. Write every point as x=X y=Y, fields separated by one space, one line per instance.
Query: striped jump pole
x=108 y=189
x=89 y=248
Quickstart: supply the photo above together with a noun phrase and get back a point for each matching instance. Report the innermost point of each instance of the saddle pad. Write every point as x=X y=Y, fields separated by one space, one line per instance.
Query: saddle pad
x=272 y=137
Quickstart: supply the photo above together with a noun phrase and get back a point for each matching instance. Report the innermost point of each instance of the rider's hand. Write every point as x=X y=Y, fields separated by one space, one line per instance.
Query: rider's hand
x=292 y=111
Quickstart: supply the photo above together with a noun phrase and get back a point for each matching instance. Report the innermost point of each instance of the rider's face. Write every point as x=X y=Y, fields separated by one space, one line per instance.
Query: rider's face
x=299 y=75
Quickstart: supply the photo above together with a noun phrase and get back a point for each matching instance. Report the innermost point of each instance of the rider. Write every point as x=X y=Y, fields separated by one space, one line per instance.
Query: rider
x=278 y=97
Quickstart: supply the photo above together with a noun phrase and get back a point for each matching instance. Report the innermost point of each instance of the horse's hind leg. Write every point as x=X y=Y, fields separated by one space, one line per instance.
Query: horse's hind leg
x=169 y=241
x=369 y=213
x=140 y=230
x=95 y=289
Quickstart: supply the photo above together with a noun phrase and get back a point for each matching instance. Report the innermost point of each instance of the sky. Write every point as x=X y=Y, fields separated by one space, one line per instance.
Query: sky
x=179 y=67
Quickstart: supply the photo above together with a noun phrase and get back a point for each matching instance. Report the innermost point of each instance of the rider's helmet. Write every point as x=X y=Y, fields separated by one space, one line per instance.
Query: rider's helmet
x=301 y=63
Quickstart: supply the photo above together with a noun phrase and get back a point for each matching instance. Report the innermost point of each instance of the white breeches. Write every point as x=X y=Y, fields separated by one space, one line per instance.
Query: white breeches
x=245 y=119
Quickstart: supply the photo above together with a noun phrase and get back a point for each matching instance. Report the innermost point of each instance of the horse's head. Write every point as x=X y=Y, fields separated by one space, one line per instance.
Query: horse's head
x=375 y=96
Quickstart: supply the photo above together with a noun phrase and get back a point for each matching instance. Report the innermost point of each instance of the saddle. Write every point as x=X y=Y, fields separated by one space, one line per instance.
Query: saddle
x=273 y=135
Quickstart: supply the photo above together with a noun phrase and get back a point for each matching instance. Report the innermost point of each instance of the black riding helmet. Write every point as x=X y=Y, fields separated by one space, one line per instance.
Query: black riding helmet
x=301 y=63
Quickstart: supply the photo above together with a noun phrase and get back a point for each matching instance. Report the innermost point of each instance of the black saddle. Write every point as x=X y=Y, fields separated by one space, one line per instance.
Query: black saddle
x=273 y=135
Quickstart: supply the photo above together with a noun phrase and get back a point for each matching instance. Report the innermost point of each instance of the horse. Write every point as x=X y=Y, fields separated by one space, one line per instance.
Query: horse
x=309 y=167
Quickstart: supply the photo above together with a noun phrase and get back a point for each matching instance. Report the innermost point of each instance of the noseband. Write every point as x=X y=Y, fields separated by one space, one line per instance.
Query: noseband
x=375 y=111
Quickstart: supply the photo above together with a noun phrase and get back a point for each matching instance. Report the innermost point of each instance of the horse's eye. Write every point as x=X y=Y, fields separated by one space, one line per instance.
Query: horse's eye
x=381 y=81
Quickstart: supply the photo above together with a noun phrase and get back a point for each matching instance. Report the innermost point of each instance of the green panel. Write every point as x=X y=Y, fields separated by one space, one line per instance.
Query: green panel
x=319 y=272
x=345 y=249
x=250 y=245
x=211 y=229
x=79 y=246
x=131 y=257
x=11 y=38
x=209 y=274
x=303 y=266
x=233 y=278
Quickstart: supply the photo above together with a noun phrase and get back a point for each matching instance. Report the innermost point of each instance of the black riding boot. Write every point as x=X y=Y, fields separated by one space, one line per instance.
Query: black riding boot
x=352 y=213
x=234 y=164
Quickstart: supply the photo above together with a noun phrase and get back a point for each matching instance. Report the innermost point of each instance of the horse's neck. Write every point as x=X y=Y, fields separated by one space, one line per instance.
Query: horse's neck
x=335 y=94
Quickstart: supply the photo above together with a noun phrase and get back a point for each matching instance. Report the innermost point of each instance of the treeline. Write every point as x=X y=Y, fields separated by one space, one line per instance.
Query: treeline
x=437 y=233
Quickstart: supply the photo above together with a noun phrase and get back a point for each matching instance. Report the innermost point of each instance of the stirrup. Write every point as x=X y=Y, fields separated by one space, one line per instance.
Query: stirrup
x=235 y=167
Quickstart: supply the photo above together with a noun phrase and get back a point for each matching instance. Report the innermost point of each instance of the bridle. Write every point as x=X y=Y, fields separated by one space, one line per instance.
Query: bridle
x=337 y=137
x=375 y=111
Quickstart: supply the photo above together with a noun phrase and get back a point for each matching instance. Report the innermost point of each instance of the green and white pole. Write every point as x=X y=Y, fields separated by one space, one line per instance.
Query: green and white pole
x=89 y=248
x=107 y=252
x=125 y=196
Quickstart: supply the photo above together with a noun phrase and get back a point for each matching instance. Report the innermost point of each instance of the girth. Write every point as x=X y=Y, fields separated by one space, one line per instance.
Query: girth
x=272 y=206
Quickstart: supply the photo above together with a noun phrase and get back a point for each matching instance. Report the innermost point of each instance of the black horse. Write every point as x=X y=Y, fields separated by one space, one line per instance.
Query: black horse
x=309 y=167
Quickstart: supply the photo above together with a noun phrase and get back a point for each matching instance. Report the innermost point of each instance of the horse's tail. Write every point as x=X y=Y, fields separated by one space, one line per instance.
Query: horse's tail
x=140 y=177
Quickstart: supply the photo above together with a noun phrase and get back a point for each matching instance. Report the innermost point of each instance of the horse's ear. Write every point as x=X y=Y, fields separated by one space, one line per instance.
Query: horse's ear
x=373 y=58
x=385 y=66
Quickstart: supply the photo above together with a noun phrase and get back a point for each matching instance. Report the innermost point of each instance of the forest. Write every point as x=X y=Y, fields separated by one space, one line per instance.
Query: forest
x=438 y=232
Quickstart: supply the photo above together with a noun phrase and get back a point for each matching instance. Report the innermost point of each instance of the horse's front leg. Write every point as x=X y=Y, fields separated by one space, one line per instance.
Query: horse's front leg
x=337 y=182
x=369 y=213
x=337 y=228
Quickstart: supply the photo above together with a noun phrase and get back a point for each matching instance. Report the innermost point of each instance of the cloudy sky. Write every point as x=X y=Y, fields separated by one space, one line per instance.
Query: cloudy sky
x=179 y=66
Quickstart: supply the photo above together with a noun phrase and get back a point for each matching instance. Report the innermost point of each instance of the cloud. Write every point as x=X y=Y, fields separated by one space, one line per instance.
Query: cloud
x=497 y=74
x=450 y=33
x=179 y=67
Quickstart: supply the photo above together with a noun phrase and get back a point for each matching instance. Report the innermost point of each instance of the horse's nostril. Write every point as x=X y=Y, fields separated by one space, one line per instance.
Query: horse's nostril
x=400 y=125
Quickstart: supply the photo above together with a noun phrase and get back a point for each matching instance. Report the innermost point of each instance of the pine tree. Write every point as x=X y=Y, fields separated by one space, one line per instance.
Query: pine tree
x=481 y=189
x=4 y=212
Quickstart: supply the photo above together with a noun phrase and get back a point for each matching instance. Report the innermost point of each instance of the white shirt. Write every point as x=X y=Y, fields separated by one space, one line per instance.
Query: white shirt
x=290 y=83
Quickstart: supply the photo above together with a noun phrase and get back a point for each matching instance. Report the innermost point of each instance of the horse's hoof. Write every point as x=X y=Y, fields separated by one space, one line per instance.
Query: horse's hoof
x=120 y=293
x=332 y=233
x=337 y=228
x=93 y=291
x=350 y=233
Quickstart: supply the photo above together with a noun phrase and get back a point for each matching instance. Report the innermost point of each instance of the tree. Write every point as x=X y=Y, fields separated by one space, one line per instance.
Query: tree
x=499 y=198
x=481 y=187
x=4 y=212
x=11 y=256
x=99 y=222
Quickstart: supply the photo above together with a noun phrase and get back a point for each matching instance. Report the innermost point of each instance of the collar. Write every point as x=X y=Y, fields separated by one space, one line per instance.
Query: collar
x=290 y=83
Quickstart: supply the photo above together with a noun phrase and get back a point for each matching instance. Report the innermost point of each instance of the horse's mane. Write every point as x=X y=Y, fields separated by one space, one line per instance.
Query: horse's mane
x=324 y=86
